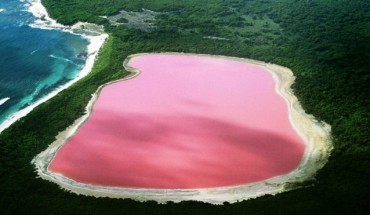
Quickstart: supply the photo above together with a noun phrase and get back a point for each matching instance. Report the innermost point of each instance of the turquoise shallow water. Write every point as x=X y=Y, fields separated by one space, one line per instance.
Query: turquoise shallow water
x=33 y=62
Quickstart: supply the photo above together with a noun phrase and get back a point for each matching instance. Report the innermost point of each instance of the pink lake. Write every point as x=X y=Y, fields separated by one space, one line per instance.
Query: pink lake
x=186 y=121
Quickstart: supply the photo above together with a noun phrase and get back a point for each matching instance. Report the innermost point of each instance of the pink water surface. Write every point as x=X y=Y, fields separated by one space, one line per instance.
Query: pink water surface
x=184 y=122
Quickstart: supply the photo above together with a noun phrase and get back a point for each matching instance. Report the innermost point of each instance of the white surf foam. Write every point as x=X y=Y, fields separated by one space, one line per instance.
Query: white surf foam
x=34 y=51
x=63 y=59
x=2 y=101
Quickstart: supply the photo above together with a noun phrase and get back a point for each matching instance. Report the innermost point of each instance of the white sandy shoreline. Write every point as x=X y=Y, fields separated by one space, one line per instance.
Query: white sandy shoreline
x=45 y=22
x=316 y=136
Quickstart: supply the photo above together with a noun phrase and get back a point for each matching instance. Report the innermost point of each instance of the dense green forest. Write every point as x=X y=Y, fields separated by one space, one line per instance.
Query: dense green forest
x=325 y=42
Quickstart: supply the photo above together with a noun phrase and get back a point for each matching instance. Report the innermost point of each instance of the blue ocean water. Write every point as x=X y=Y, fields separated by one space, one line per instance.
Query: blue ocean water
x=33 y=62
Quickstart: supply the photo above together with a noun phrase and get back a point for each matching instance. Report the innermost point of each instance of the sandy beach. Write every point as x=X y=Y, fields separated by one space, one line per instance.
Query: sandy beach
x=45 y=22
x=316 y=136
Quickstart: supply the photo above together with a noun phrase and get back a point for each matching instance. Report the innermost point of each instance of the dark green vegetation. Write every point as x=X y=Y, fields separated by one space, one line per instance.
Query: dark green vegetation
x=325 y=42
